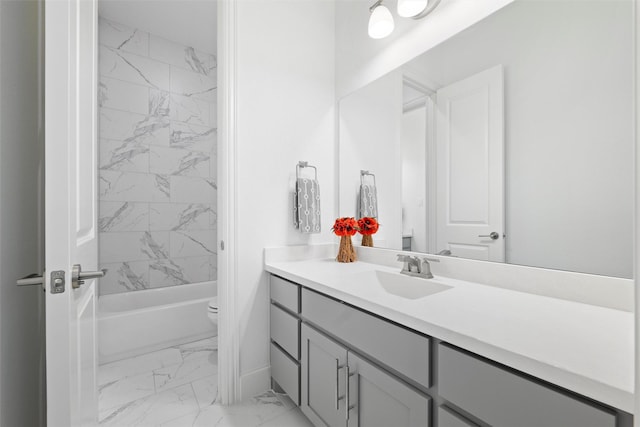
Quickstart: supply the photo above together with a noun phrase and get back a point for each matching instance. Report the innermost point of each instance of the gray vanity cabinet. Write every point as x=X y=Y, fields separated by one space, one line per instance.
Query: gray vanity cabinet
x=339 y=388
x=285 y=336
x=502 y=398
x=380 y=400
x=323 y=387
x=448 y=418
x=347 y=367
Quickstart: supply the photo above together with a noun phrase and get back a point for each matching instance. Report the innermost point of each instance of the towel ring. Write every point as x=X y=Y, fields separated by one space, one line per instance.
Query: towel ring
x=362 y=175
x=301 y=164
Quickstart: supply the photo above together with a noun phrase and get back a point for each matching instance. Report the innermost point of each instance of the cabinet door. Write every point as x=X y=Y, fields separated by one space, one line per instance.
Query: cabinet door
x=323 y=365
x=378 y=399
x=501 y=398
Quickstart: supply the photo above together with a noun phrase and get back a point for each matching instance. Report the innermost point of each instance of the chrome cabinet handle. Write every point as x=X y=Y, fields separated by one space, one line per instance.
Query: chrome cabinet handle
x=348 y=407
x=78 y=276
x=338 y=397
x=493 y=235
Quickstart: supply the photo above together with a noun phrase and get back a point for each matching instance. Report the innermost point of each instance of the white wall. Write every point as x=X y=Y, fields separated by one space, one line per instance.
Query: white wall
x=370 y=122
x=414 y=177
x=285 y=113
x=21 y=343
x=361 y=60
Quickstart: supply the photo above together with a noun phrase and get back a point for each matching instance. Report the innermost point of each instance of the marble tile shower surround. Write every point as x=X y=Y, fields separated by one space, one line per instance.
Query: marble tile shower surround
x=157 y=161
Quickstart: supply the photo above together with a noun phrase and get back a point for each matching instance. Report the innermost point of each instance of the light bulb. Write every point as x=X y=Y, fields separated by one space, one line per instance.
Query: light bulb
x=410 y=8
x=380 y=22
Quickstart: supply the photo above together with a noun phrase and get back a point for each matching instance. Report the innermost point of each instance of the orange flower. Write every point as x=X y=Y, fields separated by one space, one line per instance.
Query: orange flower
x=345 y=226
x=368 y=225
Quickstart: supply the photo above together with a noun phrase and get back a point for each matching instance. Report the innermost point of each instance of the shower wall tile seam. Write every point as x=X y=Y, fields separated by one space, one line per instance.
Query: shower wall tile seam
x=147 y=57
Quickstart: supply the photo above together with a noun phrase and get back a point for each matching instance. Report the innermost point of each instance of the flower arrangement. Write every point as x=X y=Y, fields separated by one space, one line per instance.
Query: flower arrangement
x=345 y=228
x=367 y=226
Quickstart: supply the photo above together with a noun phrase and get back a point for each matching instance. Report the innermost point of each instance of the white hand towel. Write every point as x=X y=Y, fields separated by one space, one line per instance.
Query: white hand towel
x=368 y=201
x=307 y=205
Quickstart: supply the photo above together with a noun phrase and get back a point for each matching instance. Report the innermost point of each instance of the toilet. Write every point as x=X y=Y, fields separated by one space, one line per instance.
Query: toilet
x=212 y=312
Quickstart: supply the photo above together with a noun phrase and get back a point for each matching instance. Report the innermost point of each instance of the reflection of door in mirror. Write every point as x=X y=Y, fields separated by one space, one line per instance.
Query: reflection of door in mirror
x=470 y=171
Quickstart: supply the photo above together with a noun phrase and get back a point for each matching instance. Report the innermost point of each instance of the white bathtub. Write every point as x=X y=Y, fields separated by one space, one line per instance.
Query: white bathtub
x=134 y=323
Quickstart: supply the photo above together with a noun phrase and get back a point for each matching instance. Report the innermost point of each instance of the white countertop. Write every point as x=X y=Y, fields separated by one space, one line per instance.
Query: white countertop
x=583 y=348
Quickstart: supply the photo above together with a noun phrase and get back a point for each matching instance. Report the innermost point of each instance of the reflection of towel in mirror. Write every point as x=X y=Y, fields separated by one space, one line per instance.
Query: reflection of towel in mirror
x=307 y=204
x=368 y=201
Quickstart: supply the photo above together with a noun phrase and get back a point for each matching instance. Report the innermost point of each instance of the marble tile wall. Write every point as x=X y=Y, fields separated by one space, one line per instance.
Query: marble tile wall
x=157 y=161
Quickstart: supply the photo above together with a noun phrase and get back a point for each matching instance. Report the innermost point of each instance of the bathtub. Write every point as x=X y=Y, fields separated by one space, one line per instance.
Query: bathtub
x=134 y=323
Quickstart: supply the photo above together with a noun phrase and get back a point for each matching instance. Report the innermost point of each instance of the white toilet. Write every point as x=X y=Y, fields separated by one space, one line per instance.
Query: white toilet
x=212 y=312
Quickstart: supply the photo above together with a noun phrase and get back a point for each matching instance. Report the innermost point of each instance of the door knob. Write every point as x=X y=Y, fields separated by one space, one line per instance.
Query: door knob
x=493 y=235
x=78 y=276
x=32 y=279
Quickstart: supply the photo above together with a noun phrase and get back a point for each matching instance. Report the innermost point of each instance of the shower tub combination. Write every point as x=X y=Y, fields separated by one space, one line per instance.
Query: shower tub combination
x=134 y=323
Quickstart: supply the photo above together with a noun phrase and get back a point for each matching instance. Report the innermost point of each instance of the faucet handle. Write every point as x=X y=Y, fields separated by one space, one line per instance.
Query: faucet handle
x=403 y=257
x=425 y=267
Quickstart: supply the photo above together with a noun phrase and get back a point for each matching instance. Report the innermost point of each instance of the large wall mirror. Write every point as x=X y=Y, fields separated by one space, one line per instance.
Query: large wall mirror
x=510 y=142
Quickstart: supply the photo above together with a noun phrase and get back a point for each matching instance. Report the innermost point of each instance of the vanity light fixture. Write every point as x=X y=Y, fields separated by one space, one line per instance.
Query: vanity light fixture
x=410 y=8
x=380 y=22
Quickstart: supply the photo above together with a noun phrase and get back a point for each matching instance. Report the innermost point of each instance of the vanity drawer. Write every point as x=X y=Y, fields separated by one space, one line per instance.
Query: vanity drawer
x=286 y=372
x=400 y=349
x=285 y=330
x=503 y=398
x=285 y=293
x=448 y=418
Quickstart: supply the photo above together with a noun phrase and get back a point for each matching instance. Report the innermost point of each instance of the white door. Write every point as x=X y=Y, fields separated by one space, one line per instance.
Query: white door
x=70 y=210
x=470 y=167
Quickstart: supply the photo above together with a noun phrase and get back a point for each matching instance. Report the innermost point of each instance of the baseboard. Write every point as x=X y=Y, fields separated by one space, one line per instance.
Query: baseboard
x=255 y=382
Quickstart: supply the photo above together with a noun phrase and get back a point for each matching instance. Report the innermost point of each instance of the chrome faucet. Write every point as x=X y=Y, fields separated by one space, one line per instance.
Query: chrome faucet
x=414 y=266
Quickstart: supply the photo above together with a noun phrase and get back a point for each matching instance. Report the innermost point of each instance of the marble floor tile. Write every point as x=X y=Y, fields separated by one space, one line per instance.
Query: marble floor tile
x=252 y=413
x=183 y=373
x=152 y=410
x=183 y=393
x=203 y=349
x=138 y=365
x=206 y=390
x=291 y=418
x=125 y=390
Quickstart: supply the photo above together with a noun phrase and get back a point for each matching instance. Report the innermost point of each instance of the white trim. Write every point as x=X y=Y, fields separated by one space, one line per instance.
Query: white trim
x=636 y=246
x=228 y=327
x=252 y=384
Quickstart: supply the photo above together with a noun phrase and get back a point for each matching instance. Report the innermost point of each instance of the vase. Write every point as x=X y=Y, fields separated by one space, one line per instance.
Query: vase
x=367 y=240
x=346 y=253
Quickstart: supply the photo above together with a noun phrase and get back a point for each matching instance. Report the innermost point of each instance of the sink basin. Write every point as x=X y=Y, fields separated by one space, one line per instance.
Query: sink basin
x=406 y=286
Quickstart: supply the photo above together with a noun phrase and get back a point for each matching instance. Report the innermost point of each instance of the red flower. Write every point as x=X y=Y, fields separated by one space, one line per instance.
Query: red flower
x=367 y=225
x=345 y=226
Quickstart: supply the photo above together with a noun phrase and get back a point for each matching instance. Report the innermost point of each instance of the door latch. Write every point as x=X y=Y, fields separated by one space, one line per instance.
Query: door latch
x=57 y=281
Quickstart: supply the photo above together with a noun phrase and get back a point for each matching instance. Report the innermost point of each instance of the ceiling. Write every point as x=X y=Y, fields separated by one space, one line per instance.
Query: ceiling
x=190 y=22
